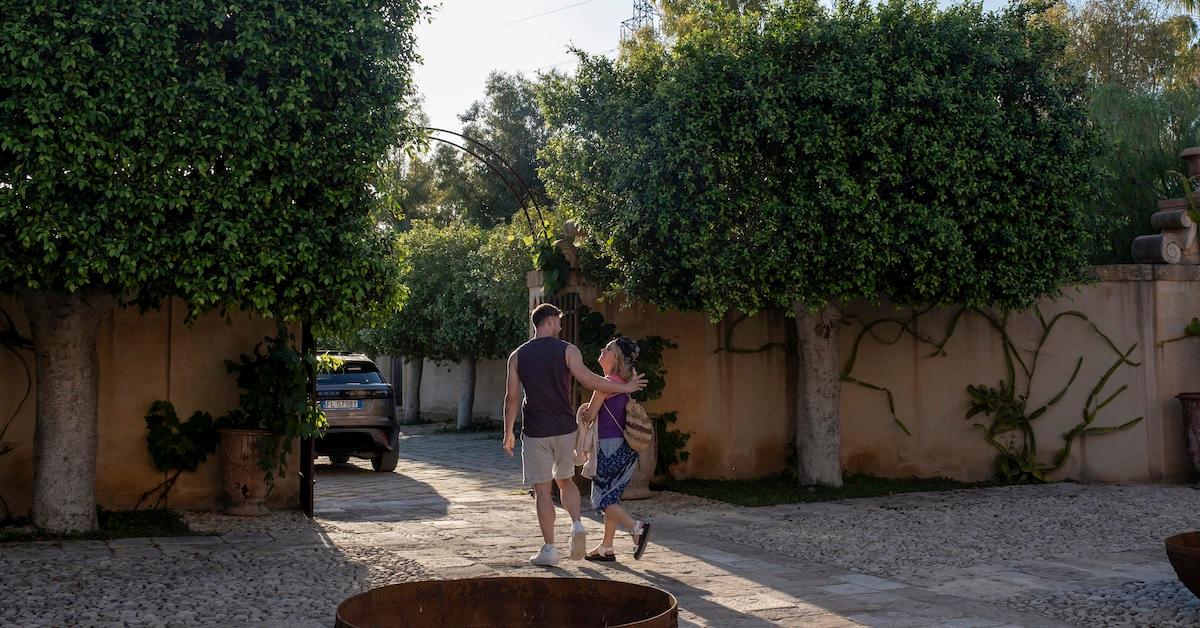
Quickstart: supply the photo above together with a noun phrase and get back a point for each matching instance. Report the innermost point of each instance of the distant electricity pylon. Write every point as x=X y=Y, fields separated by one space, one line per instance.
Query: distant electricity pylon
x=643 y=17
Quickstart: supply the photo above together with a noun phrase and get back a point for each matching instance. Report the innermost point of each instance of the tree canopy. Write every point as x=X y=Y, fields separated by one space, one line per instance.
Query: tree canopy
x=467 y=295
x=813 y=155
x=216 y=152
x=1141 y=57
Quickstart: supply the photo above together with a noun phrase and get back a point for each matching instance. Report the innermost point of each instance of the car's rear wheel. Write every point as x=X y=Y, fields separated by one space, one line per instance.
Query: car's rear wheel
x=339 y=459
x=386 y=461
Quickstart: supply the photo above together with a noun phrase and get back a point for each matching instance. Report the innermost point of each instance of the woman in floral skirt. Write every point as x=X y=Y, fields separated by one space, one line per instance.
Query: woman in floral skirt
x=615 y=460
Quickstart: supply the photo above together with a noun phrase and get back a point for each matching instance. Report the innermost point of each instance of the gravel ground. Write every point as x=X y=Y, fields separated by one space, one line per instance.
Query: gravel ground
x=916 y=535
x=1131 y=604
x=285 y=578
x=929 y=539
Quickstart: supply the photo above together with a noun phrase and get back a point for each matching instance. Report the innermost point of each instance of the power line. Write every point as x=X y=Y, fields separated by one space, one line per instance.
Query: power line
x=571 y=60
x=531 y=17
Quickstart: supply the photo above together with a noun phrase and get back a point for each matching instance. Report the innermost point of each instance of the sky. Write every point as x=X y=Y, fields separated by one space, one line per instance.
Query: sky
x=467 y=39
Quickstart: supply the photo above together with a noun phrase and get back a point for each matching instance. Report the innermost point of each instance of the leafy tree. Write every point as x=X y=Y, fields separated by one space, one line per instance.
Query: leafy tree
x=1139 y=45
x=215 y=152
x=1140 y=56
x=682 y=16
x=509 y=121
x=811 y=156
x=1144 y=133
x=467 y=300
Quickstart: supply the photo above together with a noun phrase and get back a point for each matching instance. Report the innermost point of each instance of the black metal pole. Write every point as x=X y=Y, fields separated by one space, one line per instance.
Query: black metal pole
x=307 y=479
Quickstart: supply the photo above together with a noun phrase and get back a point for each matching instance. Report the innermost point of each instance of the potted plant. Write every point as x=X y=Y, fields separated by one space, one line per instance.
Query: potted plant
x=274 y=410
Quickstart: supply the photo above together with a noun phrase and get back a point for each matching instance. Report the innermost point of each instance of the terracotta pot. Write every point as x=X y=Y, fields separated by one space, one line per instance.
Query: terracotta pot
x=1183 y=550
x=242 y=479
x=1191 y=425
x=639 y=485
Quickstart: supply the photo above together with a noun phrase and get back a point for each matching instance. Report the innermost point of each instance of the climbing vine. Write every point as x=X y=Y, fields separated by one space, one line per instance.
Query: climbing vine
x=1009 y=428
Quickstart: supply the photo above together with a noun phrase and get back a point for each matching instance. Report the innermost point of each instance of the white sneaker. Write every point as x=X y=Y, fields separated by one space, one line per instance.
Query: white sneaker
x=546 y=557
x=578 y=541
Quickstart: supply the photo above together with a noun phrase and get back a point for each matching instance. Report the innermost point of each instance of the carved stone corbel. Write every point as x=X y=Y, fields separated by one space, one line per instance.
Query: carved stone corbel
x=1176 y=242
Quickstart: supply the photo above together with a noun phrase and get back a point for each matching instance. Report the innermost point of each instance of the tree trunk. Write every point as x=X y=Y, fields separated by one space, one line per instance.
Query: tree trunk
x=818 y=390
x=65 y=328
x=412 y=389
x=397 y=368
x=466 y=399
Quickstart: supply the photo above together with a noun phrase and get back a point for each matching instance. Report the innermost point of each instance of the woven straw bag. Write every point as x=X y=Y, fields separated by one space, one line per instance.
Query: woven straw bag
x=639 y=428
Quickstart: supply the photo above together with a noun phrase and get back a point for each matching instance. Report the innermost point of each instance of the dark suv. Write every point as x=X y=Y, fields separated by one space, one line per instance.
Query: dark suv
x=361 y=409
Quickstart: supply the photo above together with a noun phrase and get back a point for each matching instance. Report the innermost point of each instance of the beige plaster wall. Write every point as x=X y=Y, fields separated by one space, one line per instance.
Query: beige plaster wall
x=1139 y=306
x=441 y=385
x=143 y=357
x=739 y=406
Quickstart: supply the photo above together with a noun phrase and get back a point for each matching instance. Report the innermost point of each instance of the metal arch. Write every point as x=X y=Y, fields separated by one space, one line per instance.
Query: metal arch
x=521 y=200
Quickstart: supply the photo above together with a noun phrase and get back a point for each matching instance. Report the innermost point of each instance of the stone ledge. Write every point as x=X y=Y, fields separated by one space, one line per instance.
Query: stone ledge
x=1147 y=272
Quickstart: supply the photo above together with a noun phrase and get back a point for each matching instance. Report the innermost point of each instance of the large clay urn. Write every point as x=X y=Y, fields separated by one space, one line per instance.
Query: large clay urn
x=1191 y=425
x=242 y=479
x=639 y=485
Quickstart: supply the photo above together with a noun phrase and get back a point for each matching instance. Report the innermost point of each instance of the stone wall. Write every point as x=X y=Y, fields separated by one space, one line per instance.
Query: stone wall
x=143 y=357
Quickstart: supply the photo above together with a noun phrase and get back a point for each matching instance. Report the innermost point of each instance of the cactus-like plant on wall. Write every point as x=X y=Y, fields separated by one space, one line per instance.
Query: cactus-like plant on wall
x=1009 y=425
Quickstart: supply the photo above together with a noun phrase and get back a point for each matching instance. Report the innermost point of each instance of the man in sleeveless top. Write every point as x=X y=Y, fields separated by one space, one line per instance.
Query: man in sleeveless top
x=543 y=367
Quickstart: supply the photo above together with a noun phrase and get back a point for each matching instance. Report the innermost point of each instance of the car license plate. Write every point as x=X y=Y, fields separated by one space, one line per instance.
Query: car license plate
x=342 y=404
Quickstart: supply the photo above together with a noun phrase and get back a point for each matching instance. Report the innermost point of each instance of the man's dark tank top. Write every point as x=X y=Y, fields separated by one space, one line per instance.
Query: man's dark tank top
x=542 y=367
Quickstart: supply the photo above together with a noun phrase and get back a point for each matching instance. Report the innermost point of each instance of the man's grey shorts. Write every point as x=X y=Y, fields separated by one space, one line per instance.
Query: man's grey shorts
x=549 y=458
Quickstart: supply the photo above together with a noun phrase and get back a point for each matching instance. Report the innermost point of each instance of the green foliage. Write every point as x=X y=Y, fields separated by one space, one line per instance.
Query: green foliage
x=219 y=152
x=554 y=265
x=175 y=445
x=509 y=121
x=814 y=155
x=274 y=384
x=446 y=185
x=1144 y=132
x=1140 y=56
x=1142 y=46
x=594 y=334
x=467 y=295
x=113 y=524
x=682 y=16
x=672 y=443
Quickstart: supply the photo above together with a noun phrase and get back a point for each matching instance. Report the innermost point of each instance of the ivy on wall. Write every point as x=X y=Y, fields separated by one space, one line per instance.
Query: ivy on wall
x=1008 y=424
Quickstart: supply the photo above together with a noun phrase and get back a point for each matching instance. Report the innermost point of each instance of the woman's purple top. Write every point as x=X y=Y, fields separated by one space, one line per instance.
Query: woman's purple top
x=614 y=407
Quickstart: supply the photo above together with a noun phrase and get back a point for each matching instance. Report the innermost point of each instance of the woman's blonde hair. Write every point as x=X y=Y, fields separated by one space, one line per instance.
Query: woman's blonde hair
x=627 y=354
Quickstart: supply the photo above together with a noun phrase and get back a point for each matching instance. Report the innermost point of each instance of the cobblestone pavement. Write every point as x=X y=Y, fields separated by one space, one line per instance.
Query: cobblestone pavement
x=1054 y=555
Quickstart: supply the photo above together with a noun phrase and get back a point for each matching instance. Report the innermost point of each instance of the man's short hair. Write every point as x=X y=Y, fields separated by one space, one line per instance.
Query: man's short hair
x=542 y=312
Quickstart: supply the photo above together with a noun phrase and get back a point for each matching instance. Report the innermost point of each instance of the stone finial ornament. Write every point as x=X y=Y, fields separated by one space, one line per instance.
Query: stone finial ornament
x=1176 y=242
x=566 y=245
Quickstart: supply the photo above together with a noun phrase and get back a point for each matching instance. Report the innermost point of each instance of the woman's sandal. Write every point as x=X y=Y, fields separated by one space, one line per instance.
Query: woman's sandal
x=641 y=540
x=600 y=558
